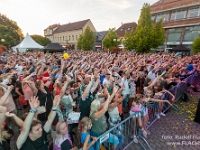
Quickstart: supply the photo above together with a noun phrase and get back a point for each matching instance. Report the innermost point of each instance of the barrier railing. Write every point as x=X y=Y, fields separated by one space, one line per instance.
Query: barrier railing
x=126 y=127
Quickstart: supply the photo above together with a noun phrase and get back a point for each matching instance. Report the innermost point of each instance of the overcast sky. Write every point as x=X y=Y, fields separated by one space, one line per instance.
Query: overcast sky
x=33 y=16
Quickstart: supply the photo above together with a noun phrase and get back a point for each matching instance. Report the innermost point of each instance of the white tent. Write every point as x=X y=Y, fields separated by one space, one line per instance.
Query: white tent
x=27 y=43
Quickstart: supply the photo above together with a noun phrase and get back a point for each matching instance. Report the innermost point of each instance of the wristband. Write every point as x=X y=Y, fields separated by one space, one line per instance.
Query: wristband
x=53 y=109
x=32 y=111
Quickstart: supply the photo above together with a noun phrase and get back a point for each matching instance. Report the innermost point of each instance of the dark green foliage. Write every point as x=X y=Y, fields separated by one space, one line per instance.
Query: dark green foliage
x=41 y=40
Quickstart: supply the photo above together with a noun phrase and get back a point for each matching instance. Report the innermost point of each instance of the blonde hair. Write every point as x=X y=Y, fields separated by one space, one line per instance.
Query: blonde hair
x=58 y=126
x=95 y=105
x=84 y=122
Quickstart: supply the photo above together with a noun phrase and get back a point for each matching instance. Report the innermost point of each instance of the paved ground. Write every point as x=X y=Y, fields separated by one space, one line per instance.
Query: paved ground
x=177 y=127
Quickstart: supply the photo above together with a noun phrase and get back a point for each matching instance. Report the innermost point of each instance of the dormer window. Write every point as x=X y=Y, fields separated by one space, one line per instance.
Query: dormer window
x=121 y=29
x=129 y=28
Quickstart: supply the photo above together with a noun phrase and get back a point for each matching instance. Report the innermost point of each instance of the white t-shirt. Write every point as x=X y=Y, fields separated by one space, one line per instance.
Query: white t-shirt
x=151 y=76
x=19 y=68
x=126 y=87
x=107 y=82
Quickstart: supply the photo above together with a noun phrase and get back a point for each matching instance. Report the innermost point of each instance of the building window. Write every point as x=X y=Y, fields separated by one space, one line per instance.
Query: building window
x=76 y=37
x=194 y=12
x=165 y=19
x=174 y=35
x=153 y=17
x=66 y=37
x=129 y=28
x=178 y=15
x=72 y=37
x=191 y=33
x=63 y=38
x=60 y=38
x=69 y=38
x=121 y=29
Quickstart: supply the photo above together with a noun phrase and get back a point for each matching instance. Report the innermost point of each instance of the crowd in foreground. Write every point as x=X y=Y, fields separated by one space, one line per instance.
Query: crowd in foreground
x=103 y=87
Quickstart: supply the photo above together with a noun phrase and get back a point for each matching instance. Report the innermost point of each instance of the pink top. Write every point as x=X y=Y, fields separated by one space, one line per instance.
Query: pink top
x=136 y=108
x=28 y=93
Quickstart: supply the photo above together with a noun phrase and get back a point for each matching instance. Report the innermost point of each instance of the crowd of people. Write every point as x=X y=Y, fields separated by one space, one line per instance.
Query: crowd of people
x=98 y=88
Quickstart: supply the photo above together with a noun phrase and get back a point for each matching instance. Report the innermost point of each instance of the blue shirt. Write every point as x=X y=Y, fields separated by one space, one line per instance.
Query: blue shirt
x=190 y=67
x=55 y=67
x=102 y=77
x=83 y=138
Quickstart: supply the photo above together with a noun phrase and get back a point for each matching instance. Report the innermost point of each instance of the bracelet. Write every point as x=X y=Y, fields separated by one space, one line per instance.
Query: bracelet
x=32 y=111
x=54 y=109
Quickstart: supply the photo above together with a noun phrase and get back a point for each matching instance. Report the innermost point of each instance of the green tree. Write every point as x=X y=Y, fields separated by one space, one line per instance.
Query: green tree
x=196 y=45
x=109 y=40
x=144 y=30
x=41 y=39
x=9 y=36
x=12 y=25
x=130 y=40
x=80 y=41
x=158 y=34
x=86 y=41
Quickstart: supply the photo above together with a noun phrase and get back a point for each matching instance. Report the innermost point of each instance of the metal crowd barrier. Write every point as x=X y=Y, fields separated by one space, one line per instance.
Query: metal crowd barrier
x=153 y=109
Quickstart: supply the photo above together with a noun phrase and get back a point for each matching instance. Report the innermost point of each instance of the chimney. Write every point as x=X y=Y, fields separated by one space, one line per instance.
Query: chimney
x=121 y=23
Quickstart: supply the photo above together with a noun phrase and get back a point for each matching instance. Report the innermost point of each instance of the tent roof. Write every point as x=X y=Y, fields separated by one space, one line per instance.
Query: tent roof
x=54 y=46
x=180 y=48
x=28 y=42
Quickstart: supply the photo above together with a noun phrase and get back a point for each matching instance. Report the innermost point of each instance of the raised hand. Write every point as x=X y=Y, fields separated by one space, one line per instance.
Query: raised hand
x=56 y=102
x=34 y=103
x=92 y=78
x=115 y=89
x=80 y=78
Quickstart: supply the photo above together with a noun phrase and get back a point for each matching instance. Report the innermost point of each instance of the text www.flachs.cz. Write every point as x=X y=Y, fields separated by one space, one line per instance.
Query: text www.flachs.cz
x=187 y=143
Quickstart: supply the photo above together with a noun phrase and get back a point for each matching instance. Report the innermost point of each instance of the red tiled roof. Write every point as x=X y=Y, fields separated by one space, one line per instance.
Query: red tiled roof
x=52 y=26
x=125 y=27
x=71 y=26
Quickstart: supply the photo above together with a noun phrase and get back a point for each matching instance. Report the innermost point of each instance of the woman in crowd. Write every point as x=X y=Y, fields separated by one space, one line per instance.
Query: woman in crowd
x=114 y=113
x=135 y=112
x=62 y=140
x=45 y=97
x=87 y=140
x=99 y=123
